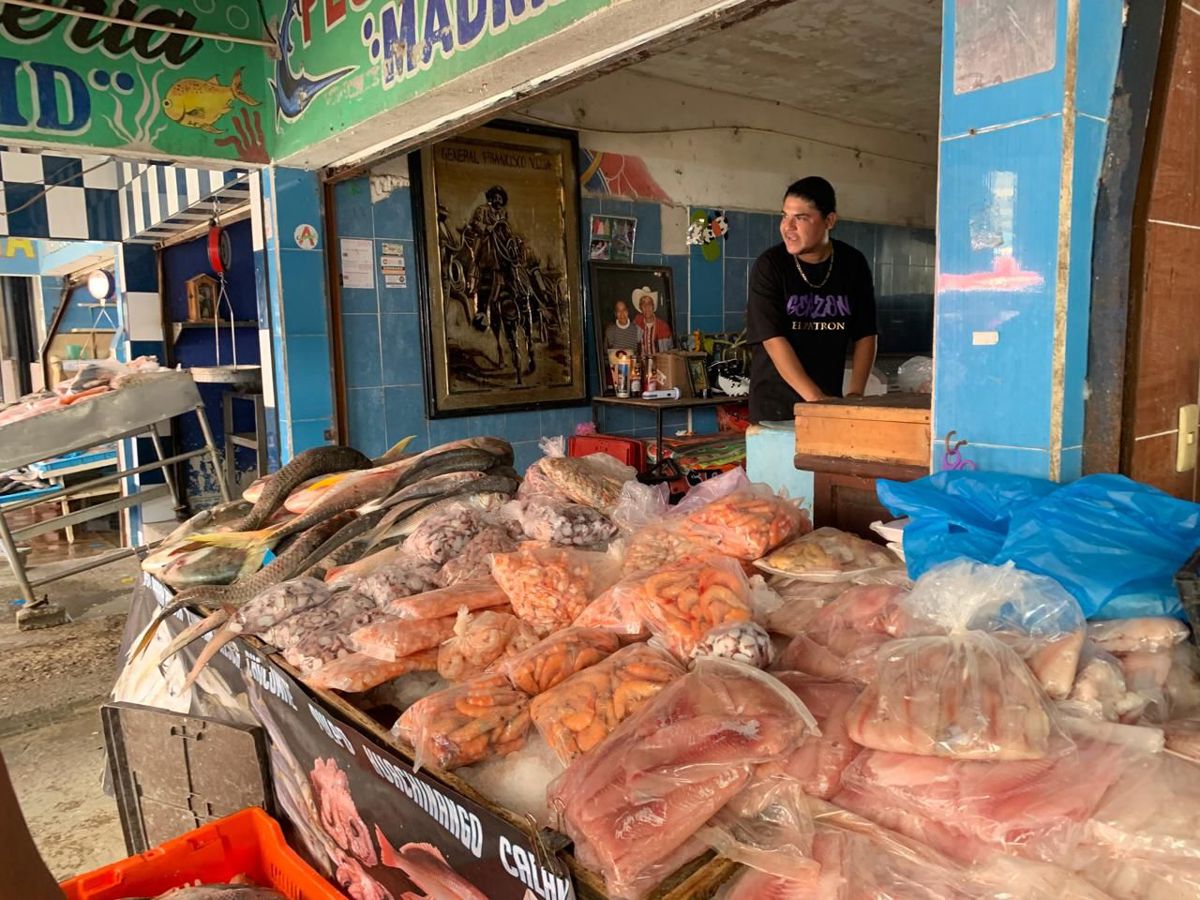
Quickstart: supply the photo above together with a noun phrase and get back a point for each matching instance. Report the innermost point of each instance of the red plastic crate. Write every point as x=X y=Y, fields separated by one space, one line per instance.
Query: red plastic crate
x=248 y=843
x=630 y=451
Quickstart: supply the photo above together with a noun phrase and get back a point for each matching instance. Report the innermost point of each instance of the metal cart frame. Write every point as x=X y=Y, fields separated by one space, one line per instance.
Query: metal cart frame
x=135 y=410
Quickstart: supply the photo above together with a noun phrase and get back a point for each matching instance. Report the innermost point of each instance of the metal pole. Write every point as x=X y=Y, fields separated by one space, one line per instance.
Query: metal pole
x=15 y=562
x=212 y=453
x=168 y=475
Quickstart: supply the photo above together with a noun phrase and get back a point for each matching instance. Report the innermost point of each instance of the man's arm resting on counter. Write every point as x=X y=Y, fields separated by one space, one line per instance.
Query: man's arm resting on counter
x=791 y=370
x=864 y=359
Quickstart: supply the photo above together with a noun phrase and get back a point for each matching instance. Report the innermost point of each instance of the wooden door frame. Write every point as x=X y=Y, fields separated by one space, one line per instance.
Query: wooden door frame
x=1118 y=249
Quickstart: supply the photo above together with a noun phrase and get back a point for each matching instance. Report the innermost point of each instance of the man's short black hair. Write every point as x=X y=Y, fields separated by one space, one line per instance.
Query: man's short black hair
x=817 y=191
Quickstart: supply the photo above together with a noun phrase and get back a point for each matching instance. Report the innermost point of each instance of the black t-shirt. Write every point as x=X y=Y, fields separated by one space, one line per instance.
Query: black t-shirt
x=820 y=323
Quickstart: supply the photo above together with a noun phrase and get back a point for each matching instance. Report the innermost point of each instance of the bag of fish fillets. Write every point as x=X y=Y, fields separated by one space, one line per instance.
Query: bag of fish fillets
x=992 y=644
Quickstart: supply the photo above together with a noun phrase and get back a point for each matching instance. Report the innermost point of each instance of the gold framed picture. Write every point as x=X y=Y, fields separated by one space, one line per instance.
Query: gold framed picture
x=501 y=304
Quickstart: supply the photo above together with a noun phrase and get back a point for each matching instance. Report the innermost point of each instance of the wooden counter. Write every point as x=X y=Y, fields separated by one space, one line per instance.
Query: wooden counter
x=849 y=444
x=889 y=428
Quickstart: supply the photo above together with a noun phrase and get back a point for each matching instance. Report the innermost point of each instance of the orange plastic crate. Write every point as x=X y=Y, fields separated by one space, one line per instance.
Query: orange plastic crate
x=248 y=843
x=630 y=451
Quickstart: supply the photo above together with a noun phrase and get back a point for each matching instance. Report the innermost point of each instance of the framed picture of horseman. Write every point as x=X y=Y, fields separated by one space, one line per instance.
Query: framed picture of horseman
x=502 y=306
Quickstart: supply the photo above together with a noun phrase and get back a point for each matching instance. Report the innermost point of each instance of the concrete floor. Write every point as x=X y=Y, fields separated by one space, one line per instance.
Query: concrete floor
x=52 y=682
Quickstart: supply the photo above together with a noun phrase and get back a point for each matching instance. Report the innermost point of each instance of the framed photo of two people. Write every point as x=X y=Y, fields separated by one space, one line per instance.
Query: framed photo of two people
x=634 y=313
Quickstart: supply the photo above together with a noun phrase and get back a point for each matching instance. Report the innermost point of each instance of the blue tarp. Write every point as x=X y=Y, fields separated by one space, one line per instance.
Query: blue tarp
x=1113 y=543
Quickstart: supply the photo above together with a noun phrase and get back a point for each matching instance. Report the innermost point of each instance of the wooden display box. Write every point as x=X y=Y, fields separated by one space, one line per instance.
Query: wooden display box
x=892 y=428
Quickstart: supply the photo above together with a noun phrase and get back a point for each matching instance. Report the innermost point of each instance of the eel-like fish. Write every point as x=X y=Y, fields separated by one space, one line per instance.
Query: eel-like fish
x=308 y=464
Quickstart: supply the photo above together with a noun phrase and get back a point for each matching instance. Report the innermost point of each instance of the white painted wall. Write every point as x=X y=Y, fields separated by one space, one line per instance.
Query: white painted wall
x=716 y=148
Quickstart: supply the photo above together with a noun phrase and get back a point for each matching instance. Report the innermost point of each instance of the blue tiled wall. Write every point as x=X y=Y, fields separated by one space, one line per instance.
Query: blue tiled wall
x=995 y=378
x=711 y=296
x=197 y=347
x=295 y=287
x=381 y=331
x=383 y=349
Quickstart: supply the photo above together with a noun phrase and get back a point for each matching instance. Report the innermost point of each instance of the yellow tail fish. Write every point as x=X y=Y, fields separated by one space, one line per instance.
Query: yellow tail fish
x=198 y=104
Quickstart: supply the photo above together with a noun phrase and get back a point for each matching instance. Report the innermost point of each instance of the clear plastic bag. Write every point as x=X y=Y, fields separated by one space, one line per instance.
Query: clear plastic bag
x=819 y=761
x=549 y=586
x=392 y=638
x=581 y=711
x=744 y=642
x=565 y=523
x=1100 y=690
x=556 y=658
x=403 y=577
x=443 y=535
x=746 y=523
x=841 y=640
x=465 y=724
x=859 y=860
x=1030 y=613
x=680 y=603
x=480 y=640
x=965 y=696
x=767 y=826
x=474 y=562
x=916 y=375
x=827 y=554
x=594 y=480
x=727 y=515
x=970 y=810
x=1152 y=811
x=357 y=672
x=324 y=619
x=442 y=602
x=800 y=602
x=277 y=603
x=1145 y=635
x=670 y=767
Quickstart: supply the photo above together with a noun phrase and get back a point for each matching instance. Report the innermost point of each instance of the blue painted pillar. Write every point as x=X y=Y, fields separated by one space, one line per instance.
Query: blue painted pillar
x=293 y=298
x=1026 y=92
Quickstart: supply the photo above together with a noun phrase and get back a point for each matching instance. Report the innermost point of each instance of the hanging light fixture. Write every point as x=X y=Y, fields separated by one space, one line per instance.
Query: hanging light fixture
x=101 y=285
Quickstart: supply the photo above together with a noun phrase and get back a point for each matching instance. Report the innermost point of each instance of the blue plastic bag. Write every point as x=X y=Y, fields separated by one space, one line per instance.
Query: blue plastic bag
x=958 y=514
x=1113 y=543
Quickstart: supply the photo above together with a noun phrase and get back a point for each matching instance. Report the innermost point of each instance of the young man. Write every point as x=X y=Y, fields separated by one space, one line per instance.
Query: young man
x=811 y=299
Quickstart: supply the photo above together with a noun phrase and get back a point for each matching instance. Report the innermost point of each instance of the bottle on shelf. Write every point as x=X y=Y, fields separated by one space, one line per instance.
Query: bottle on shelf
x=635 y=377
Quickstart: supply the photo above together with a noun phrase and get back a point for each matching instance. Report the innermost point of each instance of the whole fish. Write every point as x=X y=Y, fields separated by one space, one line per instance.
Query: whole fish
x=220 y=892
x=484 y=500
x=225 y=515
x=291 y=562
x=203 y=564
x=309 y=492
x=376 y=484
x=196 y=103
x=352 y=526
x=311 y=463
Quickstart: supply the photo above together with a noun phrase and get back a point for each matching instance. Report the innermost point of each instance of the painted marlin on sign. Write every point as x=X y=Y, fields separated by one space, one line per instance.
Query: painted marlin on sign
x=293 y=92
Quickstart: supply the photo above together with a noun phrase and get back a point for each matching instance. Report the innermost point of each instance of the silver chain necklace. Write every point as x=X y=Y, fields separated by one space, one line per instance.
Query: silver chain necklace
x=828 y=272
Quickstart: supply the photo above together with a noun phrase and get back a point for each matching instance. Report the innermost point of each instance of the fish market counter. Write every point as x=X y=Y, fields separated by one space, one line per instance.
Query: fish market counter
x=342 y=783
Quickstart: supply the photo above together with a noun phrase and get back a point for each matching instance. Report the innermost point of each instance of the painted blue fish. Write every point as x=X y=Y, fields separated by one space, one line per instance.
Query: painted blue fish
x=293 y=92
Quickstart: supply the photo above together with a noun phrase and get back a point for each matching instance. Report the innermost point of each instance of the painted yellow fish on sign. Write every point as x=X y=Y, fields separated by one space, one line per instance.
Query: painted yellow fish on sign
x=198 y=104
